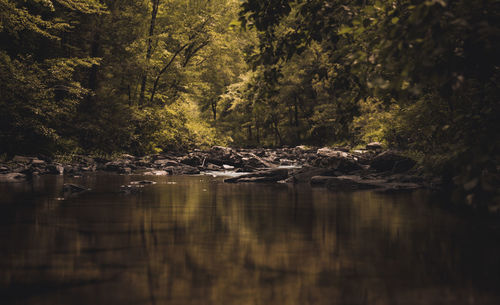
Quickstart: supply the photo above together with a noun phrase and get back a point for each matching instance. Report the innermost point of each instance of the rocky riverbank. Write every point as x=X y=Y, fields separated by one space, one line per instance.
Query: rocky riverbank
x=334 y=168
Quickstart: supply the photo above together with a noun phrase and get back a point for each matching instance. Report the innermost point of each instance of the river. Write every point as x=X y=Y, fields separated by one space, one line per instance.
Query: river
x=196 y=240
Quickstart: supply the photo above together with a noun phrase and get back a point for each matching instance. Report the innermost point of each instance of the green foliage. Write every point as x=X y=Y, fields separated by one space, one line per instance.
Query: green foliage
x=71 y=73
x=434 y=65
x=376 y=122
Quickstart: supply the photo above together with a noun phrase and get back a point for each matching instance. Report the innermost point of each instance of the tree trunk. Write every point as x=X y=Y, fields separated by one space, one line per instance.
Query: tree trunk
x=297 y=124
x=214 y=108
x=149 y=51
x=157 y=80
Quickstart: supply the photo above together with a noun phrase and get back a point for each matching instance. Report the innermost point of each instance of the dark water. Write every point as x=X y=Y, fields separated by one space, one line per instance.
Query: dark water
x=196 y=240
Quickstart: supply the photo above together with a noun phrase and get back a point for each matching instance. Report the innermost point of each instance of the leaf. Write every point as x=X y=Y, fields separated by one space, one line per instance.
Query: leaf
x=395 y=20
x=345 y=30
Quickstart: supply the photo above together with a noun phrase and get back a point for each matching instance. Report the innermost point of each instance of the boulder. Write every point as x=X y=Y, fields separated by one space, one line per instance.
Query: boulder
x=73 y=190
x=55 y=169
x=374 y=146
x=12 y=177
x=219 y=155
x=304 y=174
x=142 y=182
x=118 y=166
x=335 y=159
x=166 y=162
x=125 y=170
x=21 y=159
x=158 y=173
x=127 y=157
x=192 y=160
x=272 y=175
x=252 y=160
x=391 y=161
x=37 y=162
x=188 y=170
x=213 y=167
x=182 y=170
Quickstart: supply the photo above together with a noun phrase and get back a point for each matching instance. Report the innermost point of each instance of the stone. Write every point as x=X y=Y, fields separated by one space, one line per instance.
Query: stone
x=374 y=146
x=255 y=161
x=272 y=175
x=117 y=166
x=166 y=162
x=12 y=177
x=127 y=157
x=21 y=159
x=219 y=155
x=142 y=182
x=157 y=173
x=188 y=170
x=125 y=170
x=55 y=169
x=72 y=190
x=304 y=174
x=192 y=160
x=391 y=161
x=335 y=159
x=37 y=161
x=213 y=167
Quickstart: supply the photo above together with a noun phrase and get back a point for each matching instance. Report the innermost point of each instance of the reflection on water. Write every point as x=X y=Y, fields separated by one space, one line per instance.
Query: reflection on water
x=200 y=241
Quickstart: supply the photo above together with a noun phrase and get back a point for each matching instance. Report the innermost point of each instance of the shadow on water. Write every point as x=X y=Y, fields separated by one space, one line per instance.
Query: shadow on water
x=200 y=241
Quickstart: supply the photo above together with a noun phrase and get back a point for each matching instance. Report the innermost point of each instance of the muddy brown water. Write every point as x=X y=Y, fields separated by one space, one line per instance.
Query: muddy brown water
x=196 y=240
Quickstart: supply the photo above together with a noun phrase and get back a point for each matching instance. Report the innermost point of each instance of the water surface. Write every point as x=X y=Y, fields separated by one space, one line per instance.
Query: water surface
x=196 y=240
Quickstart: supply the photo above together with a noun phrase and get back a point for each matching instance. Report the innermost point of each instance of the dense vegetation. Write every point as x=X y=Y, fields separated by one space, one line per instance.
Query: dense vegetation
x=107 y=76
x=151 y=75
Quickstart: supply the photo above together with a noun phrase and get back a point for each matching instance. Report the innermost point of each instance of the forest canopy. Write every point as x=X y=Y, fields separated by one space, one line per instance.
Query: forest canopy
x=89 y=76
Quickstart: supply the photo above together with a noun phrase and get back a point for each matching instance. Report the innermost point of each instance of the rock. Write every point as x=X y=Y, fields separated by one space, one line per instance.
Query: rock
x=374 y=146
x=304 y=174
x=12 y=177
x=353 y=183
x=213 y=167
x=21 y=159
x=113 y=166
x=256 y=162
x=127 y=157
x=37 y=162
x=166 y=162
x=188 y=170
x=157 y=173
x=335 y=159
x=272 y=175
x=70 y=188
x=192 y=160
x=219 y=155
x=125 y=170
x=91 y=168
x=55 y=169
x=142 y=182
x=391 y=161
x=131 y=189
